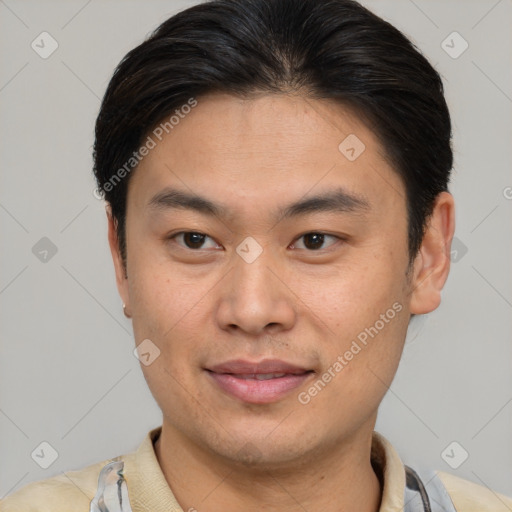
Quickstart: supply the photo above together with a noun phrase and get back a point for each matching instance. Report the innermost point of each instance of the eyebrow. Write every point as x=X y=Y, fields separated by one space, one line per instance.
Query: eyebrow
x=337 y=200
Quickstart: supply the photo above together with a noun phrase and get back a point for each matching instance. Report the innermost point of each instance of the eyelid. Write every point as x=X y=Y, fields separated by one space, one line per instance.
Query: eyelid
x=338 y=238
x=175 y=235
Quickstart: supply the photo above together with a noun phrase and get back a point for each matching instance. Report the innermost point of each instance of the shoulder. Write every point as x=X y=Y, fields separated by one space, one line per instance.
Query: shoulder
x=103 y=483
x=468 y=496
x=68 y=492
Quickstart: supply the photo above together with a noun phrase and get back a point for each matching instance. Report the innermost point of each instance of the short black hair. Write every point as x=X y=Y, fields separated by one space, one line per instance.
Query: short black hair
x=330 y=49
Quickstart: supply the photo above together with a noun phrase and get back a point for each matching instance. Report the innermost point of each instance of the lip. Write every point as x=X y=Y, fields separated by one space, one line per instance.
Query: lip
x=238 y=378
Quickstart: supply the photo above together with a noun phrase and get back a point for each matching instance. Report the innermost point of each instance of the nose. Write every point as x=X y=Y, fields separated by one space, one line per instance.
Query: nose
x=255 y=300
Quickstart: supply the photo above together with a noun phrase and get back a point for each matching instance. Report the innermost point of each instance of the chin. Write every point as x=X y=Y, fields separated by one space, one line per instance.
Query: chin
x=265 y=450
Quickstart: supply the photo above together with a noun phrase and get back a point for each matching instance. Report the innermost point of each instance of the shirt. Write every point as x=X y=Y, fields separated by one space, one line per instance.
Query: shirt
x=135 y=483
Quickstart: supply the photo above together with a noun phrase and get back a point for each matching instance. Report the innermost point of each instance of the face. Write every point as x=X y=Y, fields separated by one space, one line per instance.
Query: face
x=269 y=267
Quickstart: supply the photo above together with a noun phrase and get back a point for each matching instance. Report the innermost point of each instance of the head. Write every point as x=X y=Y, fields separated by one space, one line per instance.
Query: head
x=276 y=179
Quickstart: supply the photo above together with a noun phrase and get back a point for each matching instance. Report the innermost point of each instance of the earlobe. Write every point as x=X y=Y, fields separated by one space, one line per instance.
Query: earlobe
x=120 y=271
x=432 y=263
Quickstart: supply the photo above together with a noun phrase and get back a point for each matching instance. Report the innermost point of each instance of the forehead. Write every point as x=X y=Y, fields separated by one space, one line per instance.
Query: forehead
x=270 y=125
x=267 y=147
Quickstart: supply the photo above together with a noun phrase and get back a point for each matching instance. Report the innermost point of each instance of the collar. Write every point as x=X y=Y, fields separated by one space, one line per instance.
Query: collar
x=148 y=488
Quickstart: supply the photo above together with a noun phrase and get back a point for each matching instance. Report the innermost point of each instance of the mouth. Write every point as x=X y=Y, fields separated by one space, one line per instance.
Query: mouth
x=261 y=382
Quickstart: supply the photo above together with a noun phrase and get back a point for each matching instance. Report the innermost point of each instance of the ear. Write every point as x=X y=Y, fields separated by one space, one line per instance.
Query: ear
x=121 y=277
x=432 y=263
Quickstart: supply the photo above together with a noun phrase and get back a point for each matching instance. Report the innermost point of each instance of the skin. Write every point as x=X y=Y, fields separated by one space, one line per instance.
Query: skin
x=305 y=306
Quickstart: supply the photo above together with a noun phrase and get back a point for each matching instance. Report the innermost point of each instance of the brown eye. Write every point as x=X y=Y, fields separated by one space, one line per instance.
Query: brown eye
x=314 y=241
x=194 y=240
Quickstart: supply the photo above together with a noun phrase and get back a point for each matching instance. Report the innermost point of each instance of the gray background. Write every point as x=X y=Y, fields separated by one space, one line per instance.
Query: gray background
x=67 y=372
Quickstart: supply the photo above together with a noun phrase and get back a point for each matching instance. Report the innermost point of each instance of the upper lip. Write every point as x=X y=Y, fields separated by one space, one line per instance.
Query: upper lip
x=243 y=367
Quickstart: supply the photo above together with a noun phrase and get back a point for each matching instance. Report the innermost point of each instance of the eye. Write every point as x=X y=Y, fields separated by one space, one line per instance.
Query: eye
x=314 y=241
x=194 y=240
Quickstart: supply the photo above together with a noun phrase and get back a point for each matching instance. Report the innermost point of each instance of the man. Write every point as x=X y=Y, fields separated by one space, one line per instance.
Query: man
x=276 y=176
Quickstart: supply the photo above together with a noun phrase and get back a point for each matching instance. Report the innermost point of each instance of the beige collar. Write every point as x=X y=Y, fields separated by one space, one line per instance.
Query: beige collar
x=148 y=488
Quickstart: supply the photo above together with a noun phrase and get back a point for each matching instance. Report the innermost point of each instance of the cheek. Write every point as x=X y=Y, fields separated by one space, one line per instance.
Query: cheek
x=362 y=318
x=161 y=294
x=352 y=295
x=359 y=365
x=171 y=310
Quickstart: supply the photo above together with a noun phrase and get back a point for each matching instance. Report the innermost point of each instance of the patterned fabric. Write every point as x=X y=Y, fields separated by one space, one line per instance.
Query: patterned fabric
x=112 y=492
x=418 y=499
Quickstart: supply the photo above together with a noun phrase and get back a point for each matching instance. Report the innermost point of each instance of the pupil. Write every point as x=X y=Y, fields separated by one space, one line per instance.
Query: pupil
x=314 y=239
x=193 y=240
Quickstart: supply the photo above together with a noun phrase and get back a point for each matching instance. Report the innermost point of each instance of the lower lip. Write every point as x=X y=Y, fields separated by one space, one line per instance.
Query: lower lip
x=258 y=391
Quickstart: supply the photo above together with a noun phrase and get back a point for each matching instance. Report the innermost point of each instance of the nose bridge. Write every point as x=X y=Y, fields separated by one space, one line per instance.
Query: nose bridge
x=253 y=274
x=255 y=297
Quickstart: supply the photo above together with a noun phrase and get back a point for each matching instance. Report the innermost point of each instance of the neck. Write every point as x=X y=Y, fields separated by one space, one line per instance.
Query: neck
x=339 y=479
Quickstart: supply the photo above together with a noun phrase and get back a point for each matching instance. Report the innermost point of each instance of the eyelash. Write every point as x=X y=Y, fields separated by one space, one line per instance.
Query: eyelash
x=338 y=238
